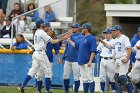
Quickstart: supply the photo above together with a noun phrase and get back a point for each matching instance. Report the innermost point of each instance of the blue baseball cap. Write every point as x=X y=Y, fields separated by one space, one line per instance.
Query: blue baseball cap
x=107 y=30
x=116 y=27
x=76 y=25
x=39 y=22
x=138 y=29
x=86 y=26
x=46 y=23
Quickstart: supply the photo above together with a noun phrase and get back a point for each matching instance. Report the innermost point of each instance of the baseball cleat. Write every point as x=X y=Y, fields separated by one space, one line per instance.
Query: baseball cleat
x=21 y=90
x=48 y=92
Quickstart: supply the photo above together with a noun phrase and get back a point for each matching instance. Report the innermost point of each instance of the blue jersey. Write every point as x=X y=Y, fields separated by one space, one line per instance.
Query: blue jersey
x=133 y=42
x=49 y=53
x=85 y=47
x=71 y=53
x=22 y=45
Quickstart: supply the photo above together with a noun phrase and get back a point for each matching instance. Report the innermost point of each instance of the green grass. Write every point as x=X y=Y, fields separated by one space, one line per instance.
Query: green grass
x=30 y=90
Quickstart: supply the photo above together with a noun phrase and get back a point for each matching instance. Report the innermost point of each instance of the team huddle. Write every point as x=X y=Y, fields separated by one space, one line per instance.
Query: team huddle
x=79 y=58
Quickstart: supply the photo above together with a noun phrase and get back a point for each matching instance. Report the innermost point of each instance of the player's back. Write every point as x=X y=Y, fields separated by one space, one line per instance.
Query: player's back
x=40 y=40
x=121 y=44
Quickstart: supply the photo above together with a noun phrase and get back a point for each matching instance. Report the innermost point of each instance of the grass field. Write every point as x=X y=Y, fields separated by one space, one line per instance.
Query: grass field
x=30 y=90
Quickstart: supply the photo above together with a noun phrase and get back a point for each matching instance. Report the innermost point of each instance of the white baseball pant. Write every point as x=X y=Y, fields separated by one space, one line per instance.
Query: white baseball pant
x=107 y=67
x=87 y=73
x=135 y=72
x=71 y=66
x=40 y=60
x=120 y=67
x=40 y=74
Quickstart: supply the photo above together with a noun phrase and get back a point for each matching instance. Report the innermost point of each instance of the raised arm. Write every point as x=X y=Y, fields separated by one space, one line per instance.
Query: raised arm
x=104 y=43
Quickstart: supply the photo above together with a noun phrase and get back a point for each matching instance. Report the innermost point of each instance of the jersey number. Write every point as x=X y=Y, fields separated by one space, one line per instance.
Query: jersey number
x=110 y=51
x=119 y=49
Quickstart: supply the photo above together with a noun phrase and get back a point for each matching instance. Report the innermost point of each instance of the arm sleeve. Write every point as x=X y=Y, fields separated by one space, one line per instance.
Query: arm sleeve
x=36 y=15
x=92 y=45
x=127 y=43
x=46 y=37
x=137 y=44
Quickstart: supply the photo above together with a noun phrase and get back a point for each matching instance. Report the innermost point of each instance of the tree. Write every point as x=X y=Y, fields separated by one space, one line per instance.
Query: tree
x=92 y=11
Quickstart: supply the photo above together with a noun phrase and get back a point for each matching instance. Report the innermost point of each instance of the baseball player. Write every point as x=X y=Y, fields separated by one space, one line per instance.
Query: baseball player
x=49 y=53
x=86 y=55
x=134 y=40
x=70 y=57
x=122 y=49
x=40 y=59
x=107 y=66
x=135 y=72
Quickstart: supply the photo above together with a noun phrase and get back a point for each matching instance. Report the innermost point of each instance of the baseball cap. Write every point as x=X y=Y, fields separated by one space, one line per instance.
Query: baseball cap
x=138 y=29
x=107 y=30
x=76 y=25
x=34 y=28
x=39 y=22
x=86 y=26
x=46 y=23
x=117 y=27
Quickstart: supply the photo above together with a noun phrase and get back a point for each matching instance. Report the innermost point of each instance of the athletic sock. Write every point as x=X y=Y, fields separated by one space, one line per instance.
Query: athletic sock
x=92 y=87
x=66 y=84
x=102 y=84
x=48 y=84
x=39 y=86
x=76 y=87
x=85 y=87
x=28 y=77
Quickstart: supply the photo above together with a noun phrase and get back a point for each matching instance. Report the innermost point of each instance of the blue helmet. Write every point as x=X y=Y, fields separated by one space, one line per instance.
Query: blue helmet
x=46 y=23
x=86 y=26
x=107 y=30
x=39 y=21
x=76 y=25
x=116 y=27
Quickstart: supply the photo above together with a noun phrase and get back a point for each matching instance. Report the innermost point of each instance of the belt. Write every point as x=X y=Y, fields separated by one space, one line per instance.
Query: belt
x=40 y=50
x=107 y=58
x=138 y=59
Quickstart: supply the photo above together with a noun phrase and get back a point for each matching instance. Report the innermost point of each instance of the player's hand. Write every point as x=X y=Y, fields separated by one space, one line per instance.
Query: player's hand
x=138 y=47
x=89 y=64
x=66 y=36
x=100 y=39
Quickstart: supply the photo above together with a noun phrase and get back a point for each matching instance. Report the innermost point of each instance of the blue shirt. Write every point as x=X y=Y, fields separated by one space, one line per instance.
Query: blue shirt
x=49 y=53
x=133 y=42
x=35 y=16
x=22 y=45
x=71 y=53
x=85 y=47
x=50 y=17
